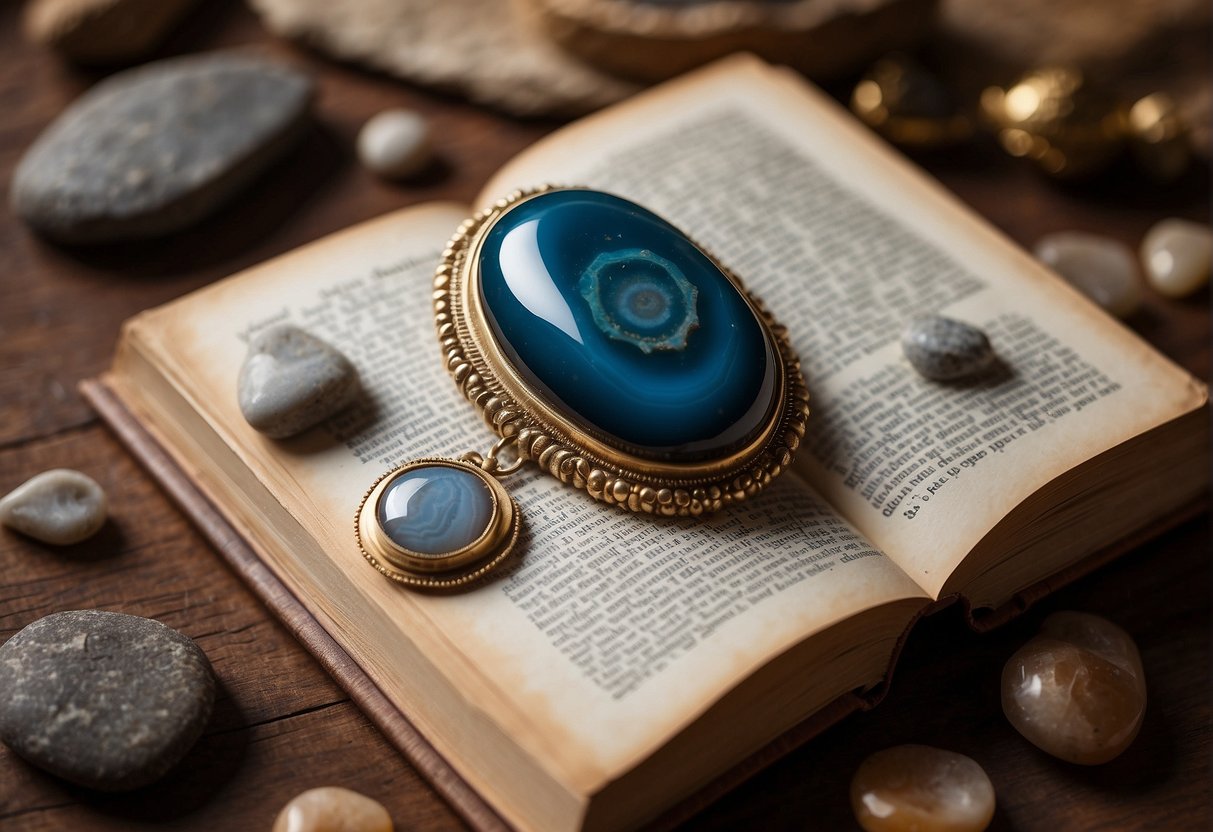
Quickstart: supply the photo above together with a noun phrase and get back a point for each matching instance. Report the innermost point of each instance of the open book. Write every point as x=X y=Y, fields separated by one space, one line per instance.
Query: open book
x=625 y=661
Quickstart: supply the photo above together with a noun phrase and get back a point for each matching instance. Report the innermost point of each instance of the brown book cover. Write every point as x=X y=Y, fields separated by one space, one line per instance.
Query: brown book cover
x=394 y=722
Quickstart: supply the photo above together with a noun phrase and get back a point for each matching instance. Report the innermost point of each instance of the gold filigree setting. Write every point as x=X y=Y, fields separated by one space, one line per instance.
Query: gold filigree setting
x=569 y=452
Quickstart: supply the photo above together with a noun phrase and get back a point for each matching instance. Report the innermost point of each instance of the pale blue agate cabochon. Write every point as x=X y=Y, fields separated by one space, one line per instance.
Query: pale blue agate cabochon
x=625 y=327
x=435 y=509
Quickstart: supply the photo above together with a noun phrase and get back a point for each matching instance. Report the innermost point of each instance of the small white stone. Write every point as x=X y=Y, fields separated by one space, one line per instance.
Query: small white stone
x=1103 y=269
x=59 y=506
x=395 y=144
x=1176 y=255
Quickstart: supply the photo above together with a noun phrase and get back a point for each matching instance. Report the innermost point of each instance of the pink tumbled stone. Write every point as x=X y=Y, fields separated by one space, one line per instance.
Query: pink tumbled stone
x=1077 y=690
x=917 y=788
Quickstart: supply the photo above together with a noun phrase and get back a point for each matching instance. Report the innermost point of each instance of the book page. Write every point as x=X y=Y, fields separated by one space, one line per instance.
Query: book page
x=845 y=242
x=642 y=622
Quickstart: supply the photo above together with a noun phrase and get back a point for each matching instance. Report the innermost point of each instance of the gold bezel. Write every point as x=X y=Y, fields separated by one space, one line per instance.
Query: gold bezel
x=450 y=569
x=489 y=381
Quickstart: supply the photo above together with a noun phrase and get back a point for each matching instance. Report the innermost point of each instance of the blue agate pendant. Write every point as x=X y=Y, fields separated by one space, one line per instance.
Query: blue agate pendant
x=608 y=348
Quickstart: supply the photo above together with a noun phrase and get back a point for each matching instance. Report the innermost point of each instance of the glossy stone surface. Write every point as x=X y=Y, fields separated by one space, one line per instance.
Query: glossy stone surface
x=59 y=506
x=625 y=327
x=291 y=381
x=1103 y=269
x=436 y=509
x=106 y=700
x=395 y=144
x=153 y=149
x=945 y=349
x=1176 y=255
x=917 y=788
x=1077 y=690
x=332 y=809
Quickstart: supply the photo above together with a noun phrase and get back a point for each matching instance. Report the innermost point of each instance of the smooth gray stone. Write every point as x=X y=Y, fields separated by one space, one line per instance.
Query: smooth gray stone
x=105 y=700
x=60 y=506
x=945 y=349
x=291 y=380
x=154 y=149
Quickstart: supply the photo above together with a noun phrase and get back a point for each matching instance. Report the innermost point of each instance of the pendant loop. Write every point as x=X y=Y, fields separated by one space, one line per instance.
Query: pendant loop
x=488 y=462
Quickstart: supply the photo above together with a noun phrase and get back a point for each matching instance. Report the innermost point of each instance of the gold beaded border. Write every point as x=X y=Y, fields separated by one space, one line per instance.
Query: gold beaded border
x=613 y=477
x=459 y=578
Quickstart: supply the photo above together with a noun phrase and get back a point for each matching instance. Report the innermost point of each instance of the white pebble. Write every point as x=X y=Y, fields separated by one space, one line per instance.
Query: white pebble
x=1103 y=269
x=395 y=144
x=1176 y=255
x=59 y=506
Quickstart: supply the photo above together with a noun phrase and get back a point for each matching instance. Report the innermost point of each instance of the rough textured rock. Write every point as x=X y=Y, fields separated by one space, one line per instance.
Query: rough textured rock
x=1176 y=255
x=153 y=149
x=291 y=380
x=485 y=50
x=332 y=809
x=105 y=700
x=395 y=144
x=917 y=788
x=1103 y=269
x=103 y=31
x=945 y=349
x=1077 y=690
x=59 y=506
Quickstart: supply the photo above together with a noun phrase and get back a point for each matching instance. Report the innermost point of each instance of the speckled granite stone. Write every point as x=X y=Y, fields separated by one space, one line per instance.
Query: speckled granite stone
x=106 y=700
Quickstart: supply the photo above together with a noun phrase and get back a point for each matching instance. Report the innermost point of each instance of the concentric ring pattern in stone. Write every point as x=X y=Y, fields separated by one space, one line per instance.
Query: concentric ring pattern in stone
x=625 y=327
x=435 y=509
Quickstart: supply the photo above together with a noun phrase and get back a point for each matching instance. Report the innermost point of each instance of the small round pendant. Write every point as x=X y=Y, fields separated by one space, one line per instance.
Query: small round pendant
x=437 y=523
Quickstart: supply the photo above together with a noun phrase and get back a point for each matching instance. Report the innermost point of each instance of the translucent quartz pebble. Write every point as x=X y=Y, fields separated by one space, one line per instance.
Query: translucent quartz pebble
x=1077 y=690
x=1176 y=255
x=1103 y=269
x=332 y=809
x=60 y=506
x=945 y=349
x=917 y=788
x=395 y=144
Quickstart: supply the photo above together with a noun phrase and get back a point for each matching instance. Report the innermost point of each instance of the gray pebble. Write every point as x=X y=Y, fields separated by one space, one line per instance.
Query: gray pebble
x=153 y=149
x=59 y=506
x=945 y=349
x=105 y=700
x=291 y=380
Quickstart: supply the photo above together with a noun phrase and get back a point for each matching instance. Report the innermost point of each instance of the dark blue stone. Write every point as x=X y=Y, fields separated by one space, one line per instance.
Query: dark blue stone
x=435 y=509
x=625 y=327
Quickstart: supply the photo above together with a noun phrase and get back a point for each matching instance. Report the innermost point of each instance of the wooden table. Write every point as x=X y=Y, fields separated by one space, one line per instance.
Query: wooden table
x=281 y=725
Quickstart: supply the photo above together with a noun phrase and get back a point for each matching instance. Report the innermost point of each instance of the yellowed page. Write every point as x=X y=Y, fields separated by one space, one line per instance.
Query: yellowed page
x=845 y=241
x=613 y=632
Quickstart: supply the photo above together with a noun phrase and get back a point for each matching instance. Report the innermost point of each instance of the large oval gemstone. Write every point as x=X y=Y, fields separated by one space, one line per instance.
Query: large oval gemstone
x=435 y=509
x=625 y=327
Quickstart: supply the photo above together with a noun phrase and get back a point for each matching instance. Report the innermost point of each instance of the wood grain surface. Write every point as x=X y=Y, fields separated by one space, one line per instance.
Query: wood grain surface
x=282 y=726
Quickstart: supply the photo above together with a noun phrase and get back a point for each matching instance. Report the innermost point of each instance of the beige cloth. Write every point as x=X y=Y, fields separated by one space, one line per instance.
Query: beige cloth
x=485 y=50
